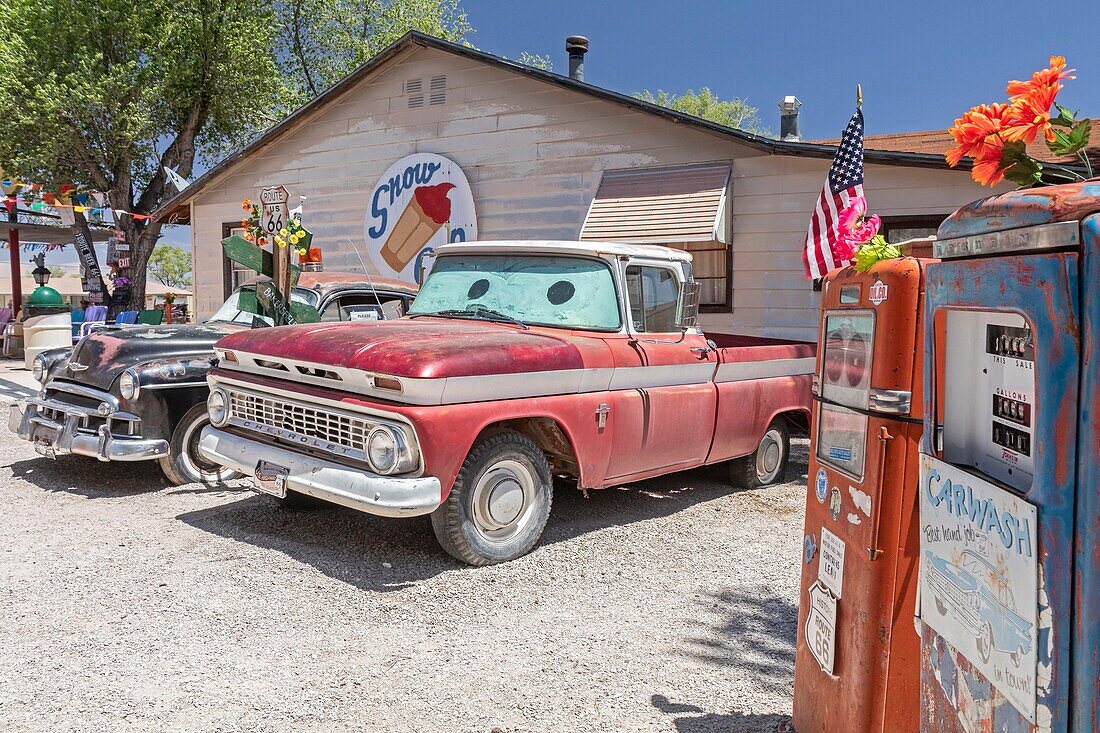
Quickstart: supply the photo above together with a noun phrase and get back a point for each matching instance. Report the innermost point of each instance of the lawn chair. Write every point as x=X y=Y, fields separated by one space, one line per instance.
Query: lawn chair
x=151 y=317
x=126 y=318
x=78 y=318
x=94 y=316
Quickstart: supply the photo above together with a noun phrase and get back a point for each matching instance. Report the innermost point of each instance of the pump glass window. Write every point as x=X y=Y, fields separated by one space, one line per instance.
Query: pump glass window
x=654 y=295
x=545 y=290
x=846 y=381
x=988 y=394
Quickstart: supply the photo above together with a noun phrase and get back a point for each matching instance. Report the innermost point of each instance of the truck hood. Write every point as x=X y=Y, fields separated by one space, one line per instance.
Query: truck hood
x=108 y=352
x=424 y=348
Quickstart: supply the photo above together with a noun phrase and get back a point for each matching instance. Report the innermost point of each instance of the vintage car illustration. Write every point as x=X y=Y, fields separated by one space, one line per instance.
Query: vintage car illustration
x=519 y=361
x=138 y=393
x=975 y=593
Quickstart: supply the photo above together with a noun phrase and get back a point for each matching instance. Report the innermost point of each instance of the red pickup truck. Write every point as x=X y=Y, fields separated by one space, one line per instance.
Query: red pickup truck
x=517 y=362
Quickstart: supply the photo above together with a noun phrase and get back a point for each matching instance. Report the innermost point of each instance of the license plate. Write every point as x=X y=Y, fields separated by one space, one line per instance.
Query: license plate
x=271 y=479
x=44 y=447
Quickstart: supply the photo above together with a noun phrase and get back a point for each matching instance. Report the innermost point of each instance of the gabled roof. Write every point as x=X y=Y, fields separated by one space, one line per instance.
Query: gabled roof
x=415 y=38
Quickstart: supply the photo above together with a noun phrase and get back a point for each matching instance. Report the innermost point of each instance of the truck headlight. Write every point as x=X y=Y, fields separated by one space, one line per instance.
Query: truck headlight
x=216 y=406
x=382 y=450
x=38 y=369
x=128 y=384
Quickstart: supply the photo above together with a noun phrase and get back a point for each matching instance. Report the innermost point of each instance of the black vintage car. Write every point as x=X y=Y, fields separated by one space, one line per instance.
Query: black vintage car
x=138 y=393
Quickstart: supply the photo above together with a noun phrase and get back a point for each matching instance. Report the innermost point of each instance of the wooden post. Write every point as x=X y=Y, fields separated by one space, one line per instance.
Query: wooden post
x=16 y=276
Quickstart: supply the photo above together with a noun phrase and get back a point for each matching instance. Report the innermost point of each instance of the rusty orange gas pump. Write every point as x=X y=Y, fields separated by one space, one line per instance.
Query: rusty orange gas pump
x=856 y=664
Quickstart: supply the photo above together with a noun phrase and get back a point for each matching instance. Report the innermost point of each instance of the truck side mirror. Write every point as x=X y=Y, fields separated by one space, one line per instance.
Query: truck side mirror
x=689 y=305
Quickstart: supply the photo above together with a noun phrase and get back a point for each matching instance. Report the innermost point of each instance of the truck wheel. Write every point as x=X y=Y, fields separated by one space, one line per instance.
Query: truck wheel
x=183 y=464
x=768 y=463
x=499 y=503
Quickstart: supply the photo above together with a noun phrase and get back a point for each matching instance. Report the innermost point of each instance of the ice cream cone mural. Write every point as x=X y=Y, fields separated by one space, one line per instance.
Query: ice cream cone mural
x=420 y=203
x=428 y=211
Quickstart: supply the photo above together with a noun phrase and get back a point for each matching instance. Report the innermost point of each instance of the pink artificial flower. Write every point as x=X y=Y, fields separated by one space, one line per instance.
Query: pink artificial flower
x=854 y=228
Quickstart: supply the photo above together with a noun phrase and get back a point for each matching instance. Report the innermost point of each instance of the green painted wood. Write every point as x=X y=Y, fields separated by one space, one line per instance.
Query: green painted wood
x=243 y=252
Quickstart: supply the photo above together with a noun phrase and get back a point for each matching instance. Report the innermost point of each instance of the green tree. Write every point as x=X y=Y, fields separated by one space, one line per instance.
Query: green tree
x=536 y=61
x=106 y=96
x=170 y=265
x=326 y=39
x=705 y=104
x=57 y=271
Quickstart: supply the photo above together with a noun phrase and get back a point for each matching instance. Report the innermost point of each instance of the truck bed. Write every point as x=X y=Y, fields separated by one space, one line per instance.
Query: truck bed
x=737 y=347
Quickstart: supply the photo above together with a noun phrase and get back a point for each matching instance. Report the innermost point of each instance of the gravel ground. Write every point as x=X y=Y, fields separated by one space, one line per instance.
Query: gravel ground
x=127 y=605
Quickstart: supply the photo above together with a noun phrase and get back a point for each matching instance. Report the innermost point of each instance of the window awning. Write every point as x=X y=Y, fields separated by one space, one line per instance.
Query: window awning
x=660 y=205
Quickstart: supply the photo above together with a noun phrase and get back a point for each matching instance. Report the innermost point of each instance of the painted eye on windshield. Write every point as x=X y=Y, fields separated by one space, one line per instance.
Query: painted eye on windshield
x=478 y=289
x=560 y=292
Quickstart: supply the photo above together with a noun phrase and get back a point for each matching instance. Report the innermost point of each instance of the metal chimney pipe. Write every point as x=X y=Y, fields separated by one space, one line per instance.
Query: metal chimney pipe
x=788 y=119
x=576 y=47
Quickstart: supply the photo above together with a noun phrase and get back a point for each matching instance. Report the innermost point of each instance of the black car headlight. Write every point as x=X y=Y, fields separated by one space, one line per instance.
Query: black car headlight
x=129 y=384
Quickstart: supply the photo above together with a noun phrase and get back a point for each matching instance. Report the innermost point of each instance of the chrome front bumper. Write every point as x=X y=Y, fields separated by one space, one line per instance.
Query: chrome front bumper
x=358 y=489
x=37 y=420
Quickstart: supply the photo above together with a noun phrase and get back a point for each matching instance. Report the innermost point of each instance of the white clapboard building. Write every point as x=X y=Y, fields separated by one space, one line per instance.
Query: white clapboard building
x=538 y=155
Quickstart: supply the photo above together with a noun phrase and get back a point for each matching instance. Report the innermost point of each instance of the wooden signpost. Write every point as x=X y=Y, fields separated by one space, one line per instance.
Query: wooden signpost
x=281 y=308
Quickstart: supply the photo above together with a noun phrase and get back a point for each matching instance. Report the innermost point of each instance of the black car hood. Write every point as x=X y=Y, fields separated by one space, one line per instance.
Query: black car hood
x=100 y=358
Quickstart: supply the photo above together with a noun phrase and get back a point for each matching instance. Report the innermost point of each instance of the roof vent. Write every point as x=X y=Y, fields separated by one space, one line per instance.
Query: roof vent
x=788 y=119
x=577 y=47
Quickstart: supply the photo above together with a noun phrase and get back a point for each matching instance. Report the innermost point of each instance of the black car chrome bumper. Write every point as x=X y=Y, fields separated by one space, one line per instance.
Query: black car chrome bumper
x=58 y=427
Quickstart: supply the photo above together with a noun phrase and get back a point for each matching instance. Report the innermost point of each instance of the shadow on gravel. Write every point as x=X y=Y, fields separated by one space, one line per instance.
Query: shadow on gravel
x=352 y=546
x=756 y=632
x=90 y=478
x=341 y=543
x=693 y=719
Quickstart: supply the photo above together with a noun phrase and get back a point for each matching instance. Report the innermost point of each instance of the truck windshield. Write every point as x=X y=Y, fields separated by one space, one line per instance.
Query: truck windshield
x=242 y=307
x=550 y=290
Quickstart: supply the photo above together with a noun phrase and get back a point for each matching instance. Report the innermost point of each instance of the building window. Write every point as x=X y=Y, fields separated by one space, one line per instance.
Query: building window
x=686 y=207
x=234 y=273
x=901 y=228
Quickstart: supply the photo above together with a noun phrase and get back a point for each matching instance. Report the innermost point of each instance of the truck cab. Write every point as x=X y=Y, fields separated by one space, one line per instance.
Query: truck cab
x=518 y=361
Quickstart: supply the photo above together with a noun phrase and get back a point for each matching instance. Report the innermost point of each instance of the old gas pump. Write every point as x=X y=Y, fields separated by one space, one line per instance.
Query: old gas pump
x=1009 y=593
x=856 y=665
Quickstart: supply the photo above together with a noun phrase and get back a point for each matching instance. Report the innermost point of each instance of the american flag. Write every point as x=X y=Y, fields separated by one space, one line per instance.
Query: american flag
x=844 y=182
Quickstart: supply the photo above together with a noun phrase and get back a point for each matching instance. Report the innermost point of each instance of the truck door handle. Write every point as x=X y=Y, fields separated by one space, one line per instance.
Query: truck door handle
x=884 y=437
x=701 y=352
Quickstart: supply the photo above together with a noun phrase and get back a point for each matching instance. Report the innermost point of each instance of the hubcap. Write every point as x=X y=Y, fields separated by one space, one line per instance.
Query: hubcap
x=769 y=456
x=503 y=500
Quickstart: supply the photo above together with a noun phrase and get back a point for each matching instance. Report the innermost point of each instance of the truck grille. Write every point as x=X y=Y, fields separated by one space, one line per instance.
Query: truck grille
x=339 y=429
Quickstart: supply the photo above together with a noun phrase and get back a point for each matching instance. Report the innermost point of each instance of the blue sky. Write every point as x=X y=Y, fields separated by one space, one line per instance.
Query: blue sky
x=921 y=64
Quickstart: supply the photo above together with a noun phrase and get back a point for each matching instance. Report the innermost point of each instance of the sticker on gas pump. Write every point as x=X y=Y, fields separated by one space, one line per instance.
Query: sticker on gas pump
x=821 y=488
x=821 y=626
x=830 y=562
x=878 y=293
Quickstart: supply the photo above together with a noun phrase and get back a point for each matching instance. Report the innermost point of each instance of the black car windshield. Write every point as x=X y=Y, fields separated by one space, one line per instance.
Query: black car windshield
x=544 y=290
x=242 y=306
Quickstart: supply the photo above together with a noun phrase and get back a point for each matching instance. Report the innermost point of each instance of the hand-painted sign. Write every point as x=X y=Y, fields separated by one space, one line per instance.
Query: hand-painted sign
x=275 y=211
x=979 y=576
x=93 y=277
x=419 y=203
x=246 y=253
x=821 y=626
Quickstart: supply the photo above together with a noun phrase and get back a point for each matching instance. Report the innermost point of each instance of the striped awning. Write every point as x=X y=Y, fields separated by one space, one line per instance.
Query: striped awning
x=660 y=205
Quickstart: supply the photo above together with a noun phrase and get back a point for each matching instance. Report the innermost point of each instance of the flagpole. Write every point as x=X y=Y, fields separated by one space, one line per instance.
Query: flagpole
x=859 y=96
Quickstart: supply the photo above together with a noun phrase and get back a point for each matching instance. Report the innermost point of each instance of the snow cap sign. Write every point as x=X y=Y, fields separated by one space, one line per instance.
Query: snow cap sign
x=419 y=203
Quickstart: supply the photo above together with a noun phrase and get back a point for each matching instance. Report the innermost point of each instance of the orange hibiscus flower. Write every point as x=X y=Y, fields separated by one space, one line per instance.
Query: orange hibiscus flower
x=987 y=169
x=1029 y=115
x=246 y=205
x=977 y=130
x=1049 y=77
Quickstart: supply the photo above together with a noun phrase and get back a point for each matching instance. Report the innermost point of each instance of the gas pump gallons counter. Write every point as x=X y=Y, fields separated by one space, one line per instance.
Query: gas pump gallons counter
x=857 y=650
x=1010 y=467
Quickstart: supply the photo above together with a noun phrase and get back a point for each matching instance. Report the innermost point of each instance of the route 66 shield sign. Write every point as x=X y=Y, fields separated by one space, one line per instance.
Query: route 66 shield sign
x=275 y=212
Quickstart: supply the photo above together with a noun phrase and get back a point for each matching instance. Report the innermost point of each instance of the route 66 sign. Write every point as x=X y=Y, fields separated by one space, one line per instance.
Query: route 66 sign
x=821 y=626
x=275 y=212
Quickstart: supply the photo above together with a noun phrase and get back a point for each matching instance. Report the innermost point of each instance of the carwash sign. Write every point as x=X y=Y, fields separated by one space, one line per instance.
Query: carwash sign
x=419 y=203
x=979 y=576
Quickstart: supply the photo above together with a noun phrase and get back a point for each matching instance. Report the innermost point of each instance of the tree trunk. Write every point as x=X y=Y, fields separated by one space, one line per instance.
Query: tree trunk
x=142 y=239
